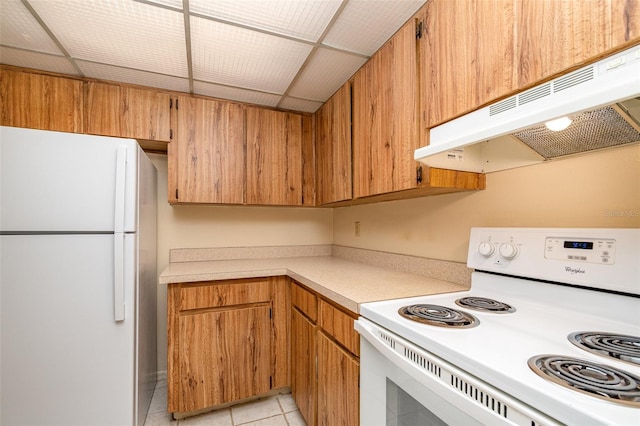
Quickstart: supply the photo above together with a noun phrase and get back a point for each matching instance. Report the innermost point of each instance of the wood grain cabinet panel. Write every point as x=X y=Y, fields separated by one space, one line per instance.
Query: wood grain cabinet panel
x=227 y=340
x=274 y=157
x=325 y=364
x=339 y=325
x=224 y=357
x=385 y=132
x=338 y=389
x=556 y=35
x=40 y=101
x=207 y=160
x=305 y=301
x=333 y=148
x=303 y=362
x=128 y=112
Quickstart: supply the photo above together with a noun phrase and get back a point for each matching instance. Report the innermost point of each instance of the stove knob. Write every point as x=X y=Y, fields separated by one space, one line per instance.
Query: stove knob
x=486 y=248
x=509 y=250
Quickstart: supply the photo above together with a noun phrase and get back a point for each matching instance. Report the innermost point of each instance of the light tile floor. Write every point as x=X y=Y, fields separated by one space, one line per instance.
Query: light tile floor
x=279 y=410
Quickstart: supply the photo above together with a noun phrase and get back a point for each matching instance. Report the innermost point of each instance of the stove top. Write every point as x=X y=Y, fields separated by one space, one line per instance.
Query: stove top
x=594 y=379
x=438 y=315
x=485 y=304
x=498 y=348
x=562 y=302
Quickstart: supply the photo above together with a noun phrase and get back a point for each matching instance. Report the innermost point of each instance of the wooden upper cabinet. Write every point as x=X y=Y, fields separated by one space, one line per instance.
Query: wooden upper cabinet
x=625 y=22
x=385 y=132
x=448 y=53
x=556 y=35
x=128 y=112
x=467 y=56
x=333 y=148
x=40 y=101
x=206 y=159
x=274 y=157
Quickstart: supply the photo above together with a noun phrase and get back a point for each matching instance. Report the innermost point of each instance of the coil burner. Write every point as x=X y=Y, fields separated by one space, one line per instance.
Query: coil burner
x=598 y=380
x=485 y=304
x=618 y=346
x=437 y=315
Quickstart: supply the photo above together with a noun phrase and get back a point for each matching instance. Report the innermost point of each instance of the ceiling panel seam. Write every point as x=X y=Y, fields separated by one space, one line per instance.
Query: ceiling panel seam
x=187 y=36
x=53 y=36
x=316 y=45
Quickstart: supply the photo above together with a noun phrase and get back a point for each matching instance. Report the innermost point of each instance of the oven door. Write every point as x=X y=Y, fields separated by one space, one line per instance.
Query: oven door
x=403 y=385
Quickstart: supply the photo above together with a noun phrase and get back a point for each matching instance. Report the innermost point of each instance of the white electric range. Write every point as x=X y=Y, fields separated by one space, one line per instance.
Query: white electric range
x=540 y=301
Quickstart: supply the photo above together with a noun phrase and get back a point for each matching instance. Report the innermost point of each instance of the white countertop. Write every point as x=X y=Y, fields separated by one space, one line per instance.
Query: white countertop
x=344 y=282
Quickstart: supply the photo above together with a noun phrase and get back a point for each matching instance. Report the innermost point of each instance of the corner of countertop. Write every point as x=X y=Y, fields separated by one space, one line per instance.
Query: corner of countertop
x=445 y=270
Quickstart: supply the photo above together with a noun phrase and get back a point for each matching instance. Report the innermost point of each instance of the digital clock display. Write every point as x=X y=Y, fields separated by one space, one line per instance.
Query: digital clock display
x=582 y=245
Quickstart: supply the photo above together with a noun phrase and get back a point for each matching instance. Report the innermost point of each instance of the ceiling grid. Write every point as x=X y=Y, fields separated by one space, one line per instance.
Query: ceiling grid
x=288 y=54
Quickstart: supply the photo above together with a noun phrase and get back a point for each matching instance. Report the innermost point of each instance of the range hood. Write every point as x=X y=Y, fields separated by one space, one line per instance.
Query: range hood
x=602 y=101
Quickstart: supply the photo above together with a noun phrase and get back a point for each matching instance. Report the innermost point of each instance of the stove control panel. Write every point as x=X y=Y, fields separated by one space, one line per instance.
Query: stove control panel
x=604 y=258
x=588 y=250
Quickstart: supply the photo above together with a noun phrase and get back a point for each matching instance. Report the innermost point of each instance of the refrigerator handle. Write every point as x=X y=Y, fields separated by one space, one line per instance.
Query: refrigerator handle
x=121 y=176
x=118 y=227
x=118 y=277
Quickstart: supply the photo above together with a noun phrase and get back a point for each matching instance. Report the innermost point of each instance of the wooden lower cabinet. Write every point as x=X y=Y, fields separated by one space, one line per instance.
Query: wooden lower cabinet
x=227 y=341
x=338 y=389
x=303 y=374
x=325 y=364
x=225 y=356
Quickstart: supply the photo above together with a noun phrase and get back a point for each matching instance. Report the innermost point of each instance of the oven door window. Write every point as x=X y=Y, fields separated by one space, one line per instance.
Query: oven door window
x=404 y=410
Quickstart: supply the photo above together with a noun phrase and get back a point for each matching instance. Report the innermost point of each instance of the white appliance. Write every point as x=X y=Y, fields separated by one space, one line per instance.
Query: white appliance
x=601 y=99
x=77 y=279
x=547 y=297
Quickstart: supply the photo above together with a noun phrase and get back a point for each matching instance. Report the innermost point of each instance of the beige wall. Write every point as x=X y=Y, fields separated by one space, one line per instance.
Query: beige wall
x=593 y=190
x=227 y=226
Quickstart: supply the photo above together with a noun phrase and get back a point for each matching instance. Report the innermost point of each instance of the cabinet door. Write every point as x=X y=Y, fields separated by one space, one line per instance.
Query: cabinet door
x=303 y=372
x=338 y=385
x=41 y=101
x=274 y=157
x=224 y=356
x=128 y=112
x=209 y=152
x=448 y=52
x=555 y=35
x=385 y=132
x=333 y=148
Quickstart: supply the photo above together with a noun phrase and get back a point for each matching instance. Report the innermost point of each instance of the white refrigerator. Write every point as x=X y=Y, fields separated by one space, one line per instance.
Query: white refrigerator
x=77 y=279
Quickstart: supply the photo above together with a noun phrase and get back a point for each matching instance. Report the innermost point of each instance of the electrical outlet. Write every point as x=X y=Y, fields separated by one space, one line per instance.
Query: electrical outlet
x=357 y=229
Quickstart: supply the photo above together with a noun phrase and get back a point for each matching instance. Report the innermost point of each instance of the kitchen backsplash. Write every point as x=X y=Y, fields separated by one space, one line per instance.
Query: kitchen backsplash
x=439 y=269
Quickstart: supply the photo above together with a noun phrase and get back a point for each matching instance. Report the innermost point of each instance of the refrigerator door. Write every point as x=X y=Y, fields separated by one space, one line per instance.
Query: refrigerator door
x=65 y=360
x=66 y=182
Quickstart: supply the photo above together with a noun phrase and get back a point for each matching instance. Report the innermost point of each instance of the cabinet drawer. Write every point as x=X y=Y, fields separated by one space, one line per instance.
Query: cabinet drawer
x=225 y=293
x=339 y=325
x=305 y=300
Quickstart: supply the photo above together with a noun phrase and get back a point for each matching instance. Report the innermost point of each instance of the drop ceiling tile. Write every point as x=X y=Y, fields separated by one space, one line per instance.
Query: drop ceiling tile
x=176 y=4
x=304 y=19
x=139 y=77
x=18 y=28
x=36 y=60
x=296 y=104
x=325 y=72
x=119 y=32
x=235 y=94
x=352 y=30
x=238 y=57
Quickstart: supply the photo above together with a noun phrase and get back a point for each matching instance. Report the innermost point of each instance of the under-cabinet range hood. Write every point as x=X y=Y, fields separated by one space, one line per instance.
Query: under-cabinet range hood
x=600 y=103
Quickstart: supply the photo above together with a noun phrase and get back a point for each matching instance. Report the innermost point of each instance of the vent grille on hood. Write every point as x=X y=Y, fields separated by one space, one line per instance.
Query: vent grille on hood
x=591 y=130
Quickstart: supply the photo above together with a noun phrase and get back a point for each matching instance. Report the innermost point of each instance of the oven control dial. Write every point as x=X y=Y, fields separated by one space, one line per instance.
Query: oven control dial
x=509 y=250
x=486 y=248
